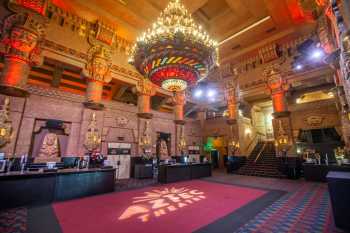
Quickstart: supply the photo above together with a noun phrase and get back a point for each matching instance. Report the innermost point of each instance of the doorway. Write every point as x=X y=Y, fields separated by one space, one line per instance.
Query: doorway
x=214 y=156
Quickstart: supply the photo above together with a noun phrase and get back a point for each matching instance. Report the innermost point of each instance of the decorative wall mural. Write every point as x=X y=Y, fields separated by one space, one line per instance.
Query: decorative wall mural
x=314 y=120
x=122 y=121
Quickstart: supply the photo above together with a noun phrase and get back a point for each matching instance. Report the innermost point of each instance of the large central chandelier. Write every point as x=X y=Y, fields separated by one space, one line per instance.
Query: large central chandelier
x=175 y=53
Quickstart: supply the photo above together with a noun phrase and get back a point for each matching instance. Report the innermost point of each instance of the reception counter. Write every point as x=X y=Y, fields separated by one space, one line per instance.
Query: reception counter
x=181 y=172
x=38 y=188
x=316 y=172
x=339 y=190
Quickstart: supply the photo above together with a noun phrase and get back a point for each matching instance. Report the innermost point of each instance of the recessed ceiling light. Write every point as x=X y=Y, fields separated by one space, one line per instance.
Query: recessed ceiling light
x=298 y=67
x=198 y=93
x=317 y=54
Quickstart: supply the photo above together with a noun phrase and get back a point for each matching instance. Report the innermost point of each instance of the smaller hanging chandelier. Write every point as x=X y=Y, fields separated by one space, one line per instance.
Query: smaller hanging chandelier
x=175 y=53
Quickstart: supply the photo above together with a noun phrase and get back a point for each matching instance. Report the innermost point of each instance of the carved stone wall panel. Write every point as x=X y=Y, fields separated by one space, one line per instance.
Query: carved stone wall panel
x=316 y=117
x=73 y=142
x=25 y=136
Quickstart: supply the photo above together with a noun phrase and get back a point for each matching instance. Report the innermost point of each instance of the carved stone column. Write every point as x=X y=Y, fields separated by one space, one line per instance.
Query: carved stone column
x=97 y=73
x=281 y=123
x=179 y=101
x=21 y=35
x=231 y=97
x=145 y=90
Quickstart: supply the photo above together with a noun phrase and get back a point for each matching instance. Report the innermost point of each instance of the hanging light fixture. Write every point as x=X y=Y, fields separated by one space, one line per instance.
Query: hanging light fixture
x=93 y=137
x=175 y=53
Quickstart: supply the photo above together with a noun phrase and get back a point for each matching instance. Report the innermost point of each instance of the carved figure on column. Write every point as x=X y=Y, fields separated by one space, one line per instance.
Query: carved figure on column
x=145 y=89
x=22 y=34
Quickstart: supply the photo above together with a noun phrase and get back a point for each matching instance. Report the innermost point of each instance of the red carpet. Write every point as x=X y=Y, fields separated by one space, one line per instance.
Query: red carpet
x=180 y=207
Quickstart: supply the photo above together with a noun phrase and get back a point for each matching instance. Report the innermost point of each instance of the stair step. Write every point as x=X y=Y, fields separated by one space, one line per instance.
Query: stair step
x=267 y=164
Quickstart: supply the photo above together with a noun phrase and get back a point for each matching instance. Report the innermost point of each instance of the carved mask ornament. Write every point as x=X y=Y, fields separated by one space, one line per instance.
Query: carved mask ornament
x=98 y=68
x=22 y=33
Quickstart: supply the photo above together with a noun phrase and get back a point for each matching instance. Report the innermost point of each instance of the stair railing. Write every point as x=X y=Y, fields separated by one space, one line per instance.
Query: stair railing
x=257 y=138
x=260 y=152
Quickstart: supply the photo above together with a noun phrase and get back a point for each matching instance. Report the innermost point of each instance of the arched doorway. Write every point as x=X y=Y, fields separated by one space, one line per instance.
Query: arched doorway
x=216 y=151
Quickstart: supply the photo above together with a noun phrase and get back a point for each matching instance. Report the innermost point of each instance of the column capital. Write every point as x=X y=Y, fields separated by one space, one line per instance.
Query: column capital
x=22 y=34
x=98 y=66
x=179 y=98
x=145 y=87
x=274 y=79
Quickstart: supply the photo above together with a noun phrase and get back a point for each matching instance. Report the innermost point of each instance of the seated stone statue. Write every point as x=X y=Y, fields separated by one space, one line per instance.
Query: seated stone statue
x=163 y=150
x=50 y=150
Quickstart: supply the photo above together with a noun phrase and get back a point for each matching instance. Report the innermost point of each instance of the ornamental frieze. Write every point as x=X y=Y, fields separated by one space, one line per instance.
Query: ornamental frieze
x=51 y=45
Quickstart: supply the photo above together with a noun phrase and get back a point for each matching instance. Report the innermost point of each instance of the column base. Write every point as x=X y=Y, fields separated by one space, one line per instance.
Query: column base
x=13 y=91
x=231 y=121
x=145 y=115
x=281 y=114
x=180 y=122
x=94 y=106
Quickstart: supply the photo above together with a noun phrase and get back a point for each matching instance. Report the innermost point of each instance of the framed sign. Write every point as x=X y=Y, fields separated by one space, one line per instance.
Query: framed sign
x=118 y=148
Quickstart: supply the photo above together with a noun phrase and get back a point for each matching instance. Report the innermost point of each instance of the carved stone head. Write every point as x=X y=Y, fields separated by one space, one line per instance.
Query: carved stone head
x=23 y=40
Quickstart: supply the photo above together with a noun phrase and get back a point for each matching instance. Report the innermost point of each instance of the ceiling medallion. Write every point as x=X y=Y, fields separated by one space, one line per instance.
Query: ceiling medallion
x=175 y=53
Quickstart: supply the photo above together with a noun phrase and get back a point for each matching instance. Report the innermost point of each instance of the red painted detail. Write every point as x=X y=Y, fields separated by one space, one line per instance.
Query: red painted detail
x=297 y=13
x=279 y=102
x=173 y=72
x=36 y=5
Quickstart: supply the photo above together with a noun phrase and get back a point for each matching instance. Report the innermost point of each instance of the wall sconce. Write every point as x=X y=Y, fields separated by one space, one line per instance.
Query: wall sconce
x=92 y=137
x=5 y=124
x=247 y=131
x=182 y=140
x=145 y=140
x=233 y=144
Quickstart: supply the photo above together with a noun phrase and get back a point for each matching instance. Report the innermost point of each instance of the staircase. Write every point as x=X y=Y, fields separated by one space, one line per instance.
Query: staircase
x=266 y=165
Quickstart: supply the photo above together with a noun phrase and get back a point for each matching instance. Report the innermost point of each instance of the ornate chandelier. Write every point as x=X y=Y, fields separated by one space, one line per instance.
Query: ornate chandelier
x=175 y=53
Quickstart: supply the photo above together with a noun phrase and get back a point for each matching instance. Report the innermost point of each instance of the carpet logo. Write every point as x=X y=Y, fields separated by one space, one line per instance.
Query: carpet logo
x=160 y=202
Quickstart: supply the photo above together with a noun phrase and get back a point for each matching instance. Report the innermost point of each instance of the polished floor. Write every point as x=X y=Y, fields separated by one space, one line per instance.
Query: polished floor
x=303 y=207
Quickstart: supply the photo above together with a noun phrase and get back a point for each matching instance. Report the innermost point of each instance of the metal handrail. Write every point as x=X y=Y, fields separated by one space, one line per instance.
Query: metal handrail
x=260 y=152
x=251 y=142
x=258 y=134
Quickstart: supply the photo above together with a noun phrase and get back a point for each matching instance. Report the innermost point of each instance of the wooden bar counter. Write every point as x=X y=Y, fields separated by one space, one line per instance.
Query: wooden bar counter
x=181 y=172
x=38 y=188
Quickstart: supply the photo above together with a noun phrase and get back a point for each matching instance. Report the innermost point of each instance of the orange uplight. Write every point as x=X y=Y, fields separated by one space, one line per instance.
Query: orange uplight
x=297 y=13
x=161 y=202
x=278 y=102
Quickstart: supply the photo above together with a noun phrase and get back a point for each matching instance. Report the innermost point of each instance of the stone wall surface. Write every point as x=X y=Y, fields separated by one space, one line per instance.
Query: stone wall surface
x=118 y=122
